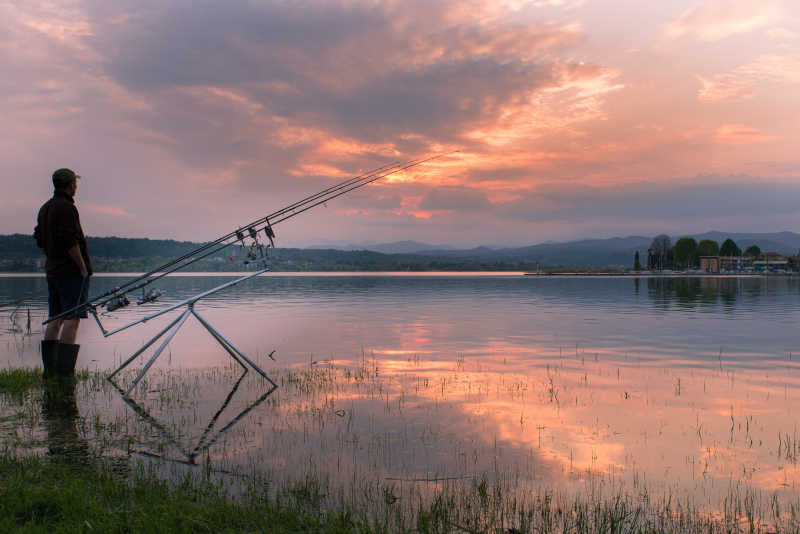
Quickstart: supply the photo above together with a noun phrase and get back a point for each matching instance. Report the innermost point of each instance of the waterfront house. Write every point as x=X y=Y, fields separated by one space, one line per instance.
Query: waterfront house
x=735 y=263
x=726 y=264
x=709 y=264
x=771 y=262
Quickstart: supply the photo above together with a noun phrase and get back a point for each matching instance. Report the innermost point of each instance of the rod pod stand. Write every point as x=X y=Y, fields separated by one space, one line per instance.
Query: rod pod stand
x=172 y=328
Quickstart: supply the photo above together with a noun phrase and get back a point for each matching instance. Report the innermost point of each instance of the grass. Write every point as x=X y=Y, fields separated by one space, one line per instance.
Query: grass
x=50 y=496
x=37 y=495
x=17 y=381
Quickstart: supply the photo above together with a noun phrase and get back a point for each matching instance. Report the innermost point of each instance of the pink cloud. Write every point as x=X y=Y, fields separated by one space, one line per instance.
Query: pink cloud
x=740 y=134
x=713 y=20
x=576 y=95
x=725 y=88
x=107 y=210
x=781 y=34
x=262 y=103
x=742 y=82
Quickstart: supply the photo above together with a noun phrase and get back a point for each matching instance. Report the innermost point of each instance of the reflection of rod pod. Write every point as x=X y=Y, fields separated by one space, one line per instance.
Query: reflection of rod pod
x=207 y=439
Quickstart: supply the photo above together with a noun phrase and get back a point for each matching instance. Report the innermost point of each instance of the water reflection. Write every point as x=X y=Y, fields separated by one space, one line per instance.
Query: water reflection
x=168 y=416
x=709 y=292
x=60 y=416
x=448 y=315
x=674 y=386
x=596 y=291
x=578 y=422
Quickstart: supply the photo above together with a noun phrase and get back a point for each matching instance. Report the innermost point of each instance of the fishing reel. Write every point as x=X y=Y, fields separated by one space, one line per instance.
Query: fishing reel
x=117 y=302
x=151 y=296
x=270 y=233
x=255 y=251
x=120 y=301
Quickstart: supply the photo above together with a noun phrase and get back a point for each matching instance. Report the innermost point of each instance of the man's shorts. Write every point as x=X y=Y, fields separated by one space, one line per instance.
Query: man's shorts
x=67 y=291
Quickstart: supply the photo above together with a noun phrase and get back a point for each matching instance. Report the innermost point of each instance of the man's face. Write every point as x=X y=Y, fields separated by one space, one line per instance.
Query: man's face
x=73 y=187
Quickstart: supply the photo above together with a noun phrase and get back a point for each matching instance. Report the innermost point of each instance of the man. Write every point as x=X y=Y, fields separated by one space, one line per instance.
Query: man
x=59 y=234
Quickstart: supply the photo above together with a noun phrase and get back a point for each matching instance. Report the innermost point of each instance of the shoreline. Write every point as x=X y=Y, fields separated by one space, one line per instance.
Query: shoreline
x=542 y=274
x=642 y=274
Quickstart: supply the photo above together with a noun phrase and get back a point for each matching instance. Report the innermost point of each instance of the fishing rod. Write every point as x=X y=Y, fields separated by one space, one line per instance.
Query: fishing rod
x=261 y=220
x=115 y=294
x=116 y=297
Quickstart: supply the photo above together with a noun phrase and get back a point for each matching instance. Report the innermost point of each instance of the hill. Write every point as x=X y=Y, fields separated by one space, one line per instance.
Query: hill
x=18 y=252
x=395 y=247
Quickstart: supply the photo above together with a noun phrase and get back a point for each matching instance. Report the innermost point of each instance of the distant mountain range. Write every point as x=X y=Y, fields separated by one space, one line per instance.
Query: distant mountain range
x=18 y=252
x=396 y=247
x=611 y=252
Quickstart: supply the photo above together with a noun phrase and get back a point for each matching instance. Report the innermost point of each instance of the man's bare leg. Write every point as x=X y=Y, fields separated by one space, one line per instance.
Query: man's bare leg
x=52 y=329
x=69 y=333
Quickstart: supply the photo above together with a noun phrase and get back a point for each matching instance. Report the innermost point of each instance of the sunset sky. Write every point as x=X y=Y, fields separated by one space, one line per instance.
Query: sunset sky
x=574 y=118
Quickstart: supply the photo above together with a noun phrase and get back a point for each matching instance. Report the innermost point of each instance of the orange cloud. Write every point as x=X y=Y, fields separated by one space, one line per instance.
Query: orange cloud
x=339 y=146
x=739 y=134
x=256 y=100
x=575 y=97
x=319 y=169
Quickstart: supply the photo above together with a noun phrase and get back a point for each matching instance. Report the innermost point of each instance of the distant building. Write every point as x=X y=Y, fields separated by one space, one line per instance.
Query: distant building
x=735 y=263
x=725 y=264
x=709 y=264
x=770 y=262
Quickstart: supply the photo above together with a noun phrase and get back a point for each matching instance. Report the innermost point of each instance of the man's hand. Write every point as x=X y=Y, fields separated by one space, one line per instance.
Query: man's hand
x=75 y=253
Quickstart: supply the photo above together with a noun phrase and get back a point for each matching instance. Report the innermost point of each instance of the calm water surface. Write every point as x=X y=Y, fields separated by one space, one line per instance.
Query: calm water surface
x=673 y=386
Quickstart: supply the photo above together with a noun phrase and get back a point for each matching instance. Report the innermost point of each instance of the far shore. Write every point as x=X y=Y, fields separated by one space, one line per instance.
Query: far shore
x=627 y=274
x=648 y=274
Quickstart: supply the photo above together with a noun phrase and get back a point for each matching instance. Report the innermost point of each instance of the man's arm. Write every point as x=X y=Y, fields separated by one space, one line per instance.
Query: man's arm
x=37 y=235
x=75 y=253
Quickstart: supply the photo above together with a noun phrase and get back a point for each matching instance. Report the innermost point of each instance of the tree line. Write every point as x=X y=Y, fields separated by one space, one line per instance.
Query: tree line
x=686 y=252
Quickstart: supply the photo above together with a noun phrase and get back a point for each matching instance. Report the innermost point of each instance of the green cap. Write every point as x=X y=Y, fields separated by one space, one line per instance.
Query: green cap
x=64 y=177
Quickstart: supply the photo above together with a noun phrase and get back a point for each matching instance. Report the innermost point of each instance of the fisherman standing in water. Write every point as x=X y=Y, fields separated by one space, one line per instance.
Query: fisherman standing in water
x=59 y=234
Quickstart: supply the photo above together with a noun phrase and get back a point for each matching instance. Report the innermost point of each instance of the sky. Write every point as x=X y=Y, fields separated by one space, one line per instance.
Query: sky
x=571 y=118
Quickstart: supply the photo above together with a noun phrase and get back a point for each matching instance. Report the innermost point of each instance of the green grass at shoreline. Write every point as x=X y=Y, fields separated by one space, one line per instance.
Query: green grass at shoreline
x=18 y=380
x=45 y=495
x=38 y=495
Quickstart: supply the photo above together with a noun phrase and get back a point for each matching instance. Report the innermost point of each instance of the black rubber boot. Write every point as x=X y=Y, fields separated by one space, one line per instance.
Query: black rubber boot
x=49 y=357
x=67 y=356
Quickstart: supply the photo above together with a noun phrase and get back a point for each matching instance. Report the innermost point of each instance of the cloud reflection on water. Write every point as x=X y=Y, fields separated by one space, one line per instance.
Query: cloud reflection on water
x=680 y=386
x=683 y=429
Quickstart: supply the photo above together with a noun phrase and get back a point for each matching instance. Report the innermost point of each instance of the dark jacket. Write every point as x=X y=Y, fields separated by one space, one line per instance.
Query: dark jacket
x=58 y=229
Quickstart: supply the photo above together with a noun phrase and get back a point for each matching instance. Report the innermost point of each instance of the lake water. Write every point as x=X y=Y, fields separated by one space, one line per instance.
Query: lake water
x=667 y=386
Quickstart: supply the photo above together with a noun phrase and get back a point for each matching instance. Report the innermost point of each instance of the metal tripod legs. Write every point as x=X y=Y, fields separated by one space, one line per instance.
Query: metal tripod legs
x=170 y=330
